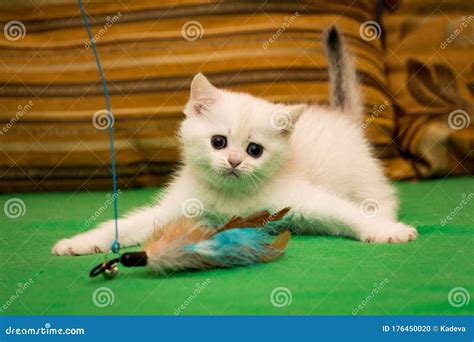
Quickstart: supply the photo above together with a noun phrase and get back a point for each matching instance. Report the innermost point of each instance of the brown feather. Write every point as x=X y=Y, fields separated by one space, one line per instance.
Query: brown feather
x=252 y=221
x=180 y=233
x=279 y=214
x=281 y=241
x=257 y=220
x=277 y=246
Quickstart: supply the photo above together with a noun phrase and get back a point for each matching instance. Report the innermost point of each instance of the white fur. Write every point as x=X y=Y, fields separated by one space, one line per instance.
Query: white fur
x=321 y=166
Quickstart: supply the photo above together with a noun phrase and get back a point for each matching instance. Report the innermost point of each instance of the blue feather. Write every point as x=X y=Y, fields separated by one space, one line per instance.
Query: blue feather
x=235 y=247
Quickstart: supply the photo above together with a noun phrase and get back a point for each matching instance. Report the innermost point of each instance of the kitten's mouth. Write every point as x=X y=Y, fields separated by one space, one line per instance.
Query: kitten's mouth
x=233 y=173
x=230 y=174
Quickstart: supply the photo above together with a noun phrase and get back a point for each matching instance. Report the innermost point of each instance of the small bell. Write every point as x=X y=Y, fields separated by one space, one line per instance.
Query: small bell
x=110 y=270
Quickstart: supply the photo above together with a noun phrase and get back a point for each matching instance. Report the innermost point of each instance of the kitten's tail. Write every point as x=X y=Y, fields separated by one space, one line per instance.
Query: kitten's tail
x=344 y=88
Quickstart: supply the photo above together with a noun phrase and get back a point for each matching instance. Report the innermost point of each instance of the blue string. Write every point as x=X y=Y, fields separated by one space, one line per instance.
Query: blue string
x=115 y=244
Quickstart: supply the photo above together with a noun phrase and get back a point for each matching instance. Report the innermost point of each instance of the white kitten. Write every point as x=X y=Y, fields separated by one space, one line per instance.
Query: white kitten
x=242 y=154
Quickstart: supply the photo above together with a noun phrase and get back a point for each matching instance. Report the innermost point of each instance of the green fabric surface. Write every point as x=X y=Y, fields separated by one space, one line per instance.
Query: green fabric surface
x=325 y=275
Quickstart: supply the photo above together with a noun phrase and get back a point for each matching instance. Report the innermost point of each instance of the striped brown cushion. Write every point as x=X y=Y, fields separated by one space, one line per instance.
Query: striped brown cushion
x=149 y=52
x=430 y=71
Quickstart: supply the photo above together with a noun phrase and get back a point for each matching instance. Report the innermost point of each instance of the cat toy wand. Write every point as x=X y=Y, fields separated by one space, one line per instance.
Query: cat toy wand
x=115 y=245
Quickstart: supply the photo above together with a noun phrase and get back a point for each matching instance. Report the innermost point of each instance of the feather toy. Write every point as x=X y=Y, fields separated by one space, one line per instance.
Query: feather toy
x=187 y=244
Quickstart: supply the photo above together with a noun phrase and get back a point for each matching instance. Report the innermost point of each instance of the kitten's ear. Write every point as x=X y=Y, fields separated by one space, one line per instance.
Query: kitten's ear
x=203 y=94
x=285 y=118
x=296 y=111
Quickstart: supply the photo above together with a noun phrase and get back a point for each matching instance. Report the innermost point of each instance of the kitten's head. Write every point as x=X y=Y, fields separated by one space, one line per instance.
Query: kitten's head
x=235 y=141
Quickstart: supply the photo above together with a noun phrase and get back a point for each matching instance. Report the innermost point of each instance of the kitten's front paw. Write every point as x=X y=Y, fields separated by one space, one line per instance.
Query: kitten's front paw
x=390 y=232
x=78 y=245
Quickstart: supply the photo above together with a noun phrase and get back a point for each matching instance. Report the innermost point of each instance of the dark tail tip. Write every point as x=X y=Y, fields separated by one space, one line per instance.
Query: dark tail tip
x=333 y=45
x=343 y=85
x=333 y=38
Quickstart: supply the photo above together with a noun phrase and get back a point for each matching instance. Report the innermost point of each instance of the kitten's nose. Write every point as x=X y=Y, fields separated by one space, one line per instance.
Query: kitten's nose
x=234 y=160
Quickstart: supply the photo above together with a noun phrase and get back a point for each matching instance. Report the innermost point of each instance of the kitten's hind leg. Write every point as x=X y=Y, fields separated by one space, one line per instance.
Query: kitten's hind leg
x=378 y=198
x=334 y=215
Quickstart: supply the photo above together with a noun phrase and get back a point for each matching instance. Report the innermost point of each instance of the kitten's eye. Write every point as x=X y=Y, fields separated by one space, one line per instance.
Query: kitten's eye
x=255 y=150
x=218 y=142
